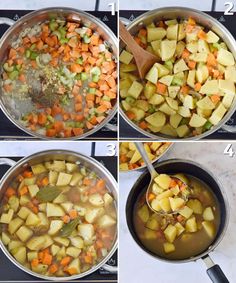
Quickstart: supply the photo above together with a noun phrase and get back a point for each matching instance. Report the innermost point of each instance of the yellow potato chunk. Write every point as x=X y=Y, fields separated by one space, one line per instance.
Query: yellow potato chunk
x=170 y=233
x=168 y=247
x=163 y=180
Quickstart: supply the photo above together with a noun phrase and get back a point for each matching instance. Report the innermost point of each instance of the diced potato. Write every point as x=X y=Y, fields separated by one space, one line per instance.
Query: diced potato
x=168 y=48
x=162 y=70
x=24 y=233
x=182 y=131
x=170 y=233
x=212 y=37
x=189 y=102
x=5 y=238
x=14 y=203
x=191 y=78
x=91 y=215
x=180 y=228
x=76 y=177
x=173 y=91
x=135 y=89
x=53 y=175
x=156 y=205
x=38 y=169
x=210 y=87
x=153 y=224
x=191 y=225
x=80 y=209
x=157 y=119
x=165 y=108
x=96 y=199
x=20 y=254
x=54 y=249
x=136 y=157
x=180 y=66
x=75 y=264
x=44 y=222
x=172 y=32
x=195 y=205
x=228 y=100
x=202 y=74
x=168 y=130
x=176 y=203
x=106 y=221
x=42 y=207
x=150 y=234
x=55 y=226
x=108 y=199
x=199 y=57
x=125 y=57
x=33 y=189
x=181 y=32
x=14 y=225
x=172 y=103
x=209 y=228
x=7 y=217
x=24 y=200
x=197 y=121
x=67 y=206
x=155 y=33
x=63 y=179
x=186 y=212
x=58 y=165
x=32 y=219
x=143 y=213
x=218 y=114
x=165 y=194
x=40 y=268
x=86 y=231
x=31 y=256
x=184 y=112
x=14 y=244
x=208 y=214
x=203 y=46
x=62 y=241
x=152 y=75
x=168 y=247
x=73 y=251
x=61 y=253
x=175 y=190
x=77 y=242
x=227 y=86
x=225 y=57
x=39 y=242
x=163 y=180
x=54 y=210
x=29 y=181
x=192 y=46
x=206 y=103
x=230 y=73
x=164 y=204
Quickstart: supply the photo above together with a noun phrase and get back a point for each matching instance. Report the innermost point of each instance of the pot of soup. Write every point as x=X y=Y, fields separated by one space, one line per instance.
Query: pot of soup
x=58 y=73
x=58 y=215
x=184 y=95
x=194 y=230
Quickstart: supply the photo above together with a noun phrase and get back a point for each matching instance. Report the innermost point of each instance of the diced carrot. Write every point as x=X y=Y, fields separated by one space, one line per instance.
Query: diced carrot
x=191 y=64
x=94 y=39
x=93 y=120
x=88 y=259
x=33 y=39
x=197 y=86
x=50 y=41
x=53 y=268
x=216 y=73
x=191 y=21
x=68 y=132
x=58 y=126
x=34 y=64
x=142 y=32
x=10 y=192
x=189 y=28
x=215 y=98
x=66 y=218
x=92 y=60
x=73 y=213
x=123 y=158
x=51 y=133
x=185 y=54
x=22 y=78
x=84 y=47
x=202 y=35
x=161 y=88
x=101 y=184
x=76 y=68
x=105 y=103
x=73 y=42
x=172 y=183
x=211 y=60
x=35 y=262
x=65 y=261
x=151 y=196
x=111 y=81
x=42 y=118
x=185 y=89
x=71 y=270
x=45 y=181
x=99 y=244
x=130 y=115
x=90 y=96
x=143 y=125
x=7 y=87
x=23 y=190
x=47 y=259
x=56 y=110
x=39 y=45
x=28 y=174
x=78 y=107
x=19 y=61
x=12 y=53
x=102 y=109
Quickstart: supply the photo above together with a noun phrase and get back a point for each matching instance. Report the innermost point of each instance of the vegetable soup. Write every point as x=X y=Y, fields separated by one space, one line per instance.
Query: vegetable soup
x=184 y=234
x=58 y=218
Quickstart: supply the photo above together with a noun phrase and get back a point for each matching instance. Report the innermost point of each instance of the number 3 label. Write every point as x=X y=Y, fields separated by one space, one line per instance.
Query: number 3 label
x=111 y=149
x=229 y=7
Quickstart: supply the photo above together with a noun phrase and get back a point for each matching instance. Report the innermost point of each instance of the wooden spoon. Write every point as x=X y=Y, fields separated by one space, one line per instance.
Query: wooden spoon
x=143 y=58
x=154 y=174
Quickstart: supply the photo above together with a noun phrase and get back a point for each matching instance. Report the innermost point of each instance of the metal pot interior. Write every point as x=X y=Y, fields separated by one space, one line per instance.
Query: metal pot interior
x=13 y=108
x=201 y=18
x=172 y=167
x=70 y=156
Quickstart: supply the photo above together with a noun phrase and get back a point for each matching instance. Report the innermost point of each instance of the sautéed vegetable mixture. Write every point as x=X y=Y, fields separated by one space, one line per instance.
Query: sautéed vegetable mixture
x=58 y=219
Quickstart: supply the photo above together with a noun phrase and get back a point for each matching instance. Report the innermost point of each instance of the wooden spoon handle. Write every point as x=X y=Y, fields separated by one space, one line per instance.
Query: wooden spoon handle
x=127 y=38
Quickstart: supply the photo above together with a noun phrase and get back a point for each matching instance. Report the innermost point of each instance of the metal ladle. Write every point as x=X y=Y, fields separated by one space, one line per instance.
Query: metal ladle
x=154 y=174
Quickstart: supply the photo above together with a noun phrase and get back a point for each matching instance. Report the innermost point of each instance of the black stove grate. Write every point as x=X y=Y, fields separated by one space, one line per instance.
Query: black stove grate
x=9 y=272
x=127 y=132
x=7 y=129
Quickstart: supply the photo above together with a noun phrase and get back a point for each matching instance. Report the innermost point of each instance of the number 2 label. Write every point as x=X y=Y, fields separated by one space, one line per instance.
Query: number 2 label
x=229 y=7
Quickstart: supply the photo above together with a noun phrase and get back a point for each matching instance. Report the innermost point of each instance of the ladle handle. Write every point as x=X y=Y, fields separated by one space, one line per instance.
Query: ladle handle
x=214 y=271
x=146 y=159
x=127 y=38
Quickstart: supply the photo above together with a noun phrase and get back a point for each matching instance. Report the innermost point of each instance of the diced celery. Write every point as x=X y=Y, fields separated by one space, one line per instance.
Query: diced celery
x=64 y=40
x=177 y=81
x=50 y=119
x=13 y=75
x=57 y=33
x=86 y=38
x=8 y=68
x=217 y=46
x=18 y=67
x=95 y=78
x=53 y=25
x=79 y=61
x=33 y=55
x=130 y=100
x=207 y=125
x=106 y=98
x=27 y=53
x=96 y=71
x=92 y=90
x=32 y=47
x=84 y=76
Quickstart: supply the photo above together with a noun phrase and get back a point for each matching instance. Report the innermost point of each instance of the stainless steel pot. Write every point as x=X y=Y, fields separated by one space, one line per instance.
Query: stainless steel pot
x=204 y=20
x=40 y=16
x=174 y=166
x=91 y=164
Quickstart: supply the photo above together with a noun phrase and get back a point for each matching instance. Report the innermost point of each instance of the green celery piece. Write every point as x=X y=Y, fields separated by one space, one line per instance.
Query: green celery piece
x=86 y=38
x=57 y=33
x=207 y=125
x=8 y=68
x=95 y=78
x=27 y=53
x=130 y=100
x=53 y=25
x=79 y=61
x=13 y=75
x=177 y=81
x=33 y=55
x=92 y=90
x=84 y=76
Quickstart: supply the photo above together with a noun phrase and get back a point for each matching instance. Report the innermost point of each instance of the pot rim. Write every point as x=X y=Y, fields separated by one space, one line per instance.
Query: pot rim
x=85 y=158
x=230 y=37
x=211 y=246
x=93 y=19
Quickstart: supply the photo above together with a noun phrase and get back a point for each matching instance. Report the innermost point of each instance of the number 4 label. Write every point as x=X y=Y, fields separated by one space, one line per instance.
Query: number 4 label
x=229 y=150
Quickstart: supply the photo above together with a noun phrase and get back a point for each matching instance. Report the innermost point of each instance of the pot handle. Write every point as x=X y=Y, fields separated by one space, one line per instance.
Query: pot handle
x=125 y=21
x=111 y=269
x=111 y=127
x=229 y=128
x=7 y=161
x=214 y=271
x=6 y=21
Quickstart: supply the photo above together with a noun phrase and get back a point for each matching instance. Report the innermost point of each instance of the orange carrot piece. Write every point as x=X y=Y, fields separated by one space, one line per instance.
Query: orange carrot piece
x=185 y=89
x=185 y=54
x=28 y=174
x=151 y=196
x=191 y=21
x=130 y=115
x=53 y=268
x=42 y=118
x=192 y=64
x=161 y=88
x=73 y=213
x=197 y=86
x=51 y=133
x=202 y=35
x=10 y=192
x=215 y=98
x=143 y=125
x=23 y=190
x=35 y=262
x=71 y=270
x=65 y=261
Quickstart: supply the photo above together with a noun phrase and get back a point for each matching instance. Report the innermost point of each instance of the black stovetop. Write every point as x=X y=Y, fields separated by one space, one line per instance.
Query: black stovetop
x=7 y=129
x=9 y=272
x=127 y=132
